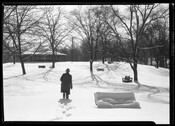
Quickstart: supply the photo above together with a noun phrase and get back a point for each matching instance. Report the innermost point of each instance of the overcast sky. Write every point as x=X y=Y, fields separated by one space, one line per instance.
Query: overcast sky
x=71 y=7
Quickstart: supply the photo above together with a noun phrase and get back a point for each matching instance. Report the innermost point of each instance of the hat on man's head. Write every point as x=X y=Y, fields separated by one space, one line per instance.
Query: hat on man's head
x=67 y=70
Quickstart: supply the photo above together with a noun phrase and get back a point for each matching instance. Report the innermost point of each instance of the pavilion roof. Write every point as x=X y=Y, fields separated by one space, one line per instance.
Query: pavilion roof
x=43 y=53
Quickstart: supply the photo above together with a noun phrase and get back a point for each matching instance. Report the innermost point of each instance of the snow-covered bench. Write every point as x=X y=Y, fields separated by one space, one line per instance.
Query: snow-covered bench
x=116 y=100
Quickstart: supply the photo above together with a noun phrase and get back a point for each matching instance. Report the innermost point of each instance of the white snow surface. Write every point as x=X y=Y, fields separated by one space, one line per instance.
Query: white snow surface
x=35 y=96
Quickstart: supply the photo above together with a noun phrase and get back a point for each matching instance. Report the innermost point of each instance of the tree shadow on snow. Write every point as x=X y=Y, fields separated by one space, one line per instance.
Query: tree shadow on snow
x=101 y=82
x=159 y=71
x=35 y=76
x=6 y=66
x=160 y=99
x=11 y=77
x=155 y=94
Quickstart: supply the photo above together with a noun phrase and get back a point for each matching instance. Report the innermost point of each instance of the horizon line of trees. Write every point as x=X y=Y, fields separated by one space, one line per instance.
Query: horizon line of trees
x=79 y=54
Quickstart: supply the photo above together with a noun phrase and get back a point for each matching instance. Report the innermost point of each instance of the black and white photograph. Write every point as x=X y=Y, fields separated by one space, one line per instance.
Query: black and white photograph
x=86 y=62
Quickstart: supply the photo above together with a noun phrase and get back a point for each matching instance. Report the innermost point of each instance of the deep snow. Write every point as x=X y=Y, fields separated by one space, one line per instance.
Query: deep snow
x=36 y=96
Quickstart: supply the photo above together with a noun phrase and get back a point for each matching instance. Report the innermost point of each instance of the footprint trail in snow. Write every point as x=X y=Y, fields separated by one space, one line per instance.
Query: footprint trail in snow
x=64 y=109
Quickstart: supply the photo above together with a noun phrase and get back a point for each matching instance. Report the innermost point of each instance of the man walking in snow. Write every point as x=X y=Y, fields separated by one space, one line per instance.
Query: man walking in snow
x=66 y=83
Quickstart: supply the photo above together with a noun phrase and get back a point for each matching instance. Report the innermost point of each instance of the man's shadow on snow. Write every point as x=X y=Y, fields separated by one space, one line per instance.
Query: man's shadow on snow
x=64 y=101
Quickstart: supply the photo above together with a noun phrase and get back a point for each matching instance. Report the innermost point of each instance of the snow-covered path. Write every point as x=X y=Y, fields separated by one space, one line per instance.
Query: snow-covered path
x=36 y=95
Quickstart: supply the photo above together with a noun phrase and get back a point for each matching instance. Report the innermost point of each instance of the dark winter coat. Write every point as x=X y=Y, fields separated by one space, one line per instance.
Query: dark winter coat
x=66 y=84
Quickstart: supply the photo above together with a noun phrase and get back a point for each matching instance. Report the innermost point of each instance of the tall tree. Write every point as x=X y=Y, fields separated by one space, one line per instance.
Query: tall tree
x=156 y=42
x=102 y=32
x=19 y=26
x=53 y=29
x=134 y=22
x=84 y=26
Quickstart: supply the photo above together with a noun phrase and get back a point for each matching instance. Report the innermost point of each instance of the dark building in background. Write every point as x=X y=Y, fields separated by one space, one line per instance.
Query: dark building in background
x=29 y=56
x=42 y=56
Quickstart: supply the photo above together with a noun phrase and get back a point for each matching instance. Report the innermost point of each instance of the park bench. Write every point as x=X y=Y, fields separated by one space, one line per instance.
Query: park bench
x=100 y=69
x=41 y=66
x=127 y=79
x=123 y=99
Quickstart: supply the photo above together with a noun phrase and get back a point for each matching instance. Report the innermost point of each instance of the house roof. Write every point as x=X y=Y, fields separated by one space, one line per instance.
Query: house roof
x=43 y=53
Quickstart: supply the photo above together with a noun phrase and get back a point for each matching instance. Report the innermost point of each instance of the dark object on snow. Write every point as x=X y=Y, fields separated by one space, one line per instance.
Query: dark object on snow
x=100 y=69
x=66 y=84
x=41 y=66
x=127 y=79
x=116 y=100
x=110 y=62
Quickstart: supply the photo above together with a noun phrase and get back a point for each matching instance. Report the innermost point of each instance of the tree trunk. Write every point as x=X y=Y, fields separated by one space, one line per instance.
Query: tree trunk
x=53 y=61
x=72 y=55
x=161 y=60
x=14 y=58
x=91 y=66
x=134 y=68
x=53 y=54
x=157 y=59
x=103 y=58
x=166 y=65
x=13 y=54
x=164 y=62
x=22 y=65
x=20 y=55
x=151 y=60
x=157 y=62
x=135 y=72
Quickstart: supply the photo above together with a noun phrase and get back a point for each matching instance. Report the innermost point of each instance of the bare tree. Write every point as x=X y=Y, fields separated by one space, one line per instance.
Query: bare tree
x=53 y=28
x=8 y=10
x=102 y=32
x=135 y=22
x=19 y=25
x=116 y=44
x=84 y=22
x=157 y=41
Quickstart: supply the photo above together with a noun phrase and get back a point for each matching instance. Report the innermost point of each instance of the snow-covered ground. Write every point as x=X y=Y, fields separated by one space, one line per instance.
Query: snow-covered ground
x=36 y=96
